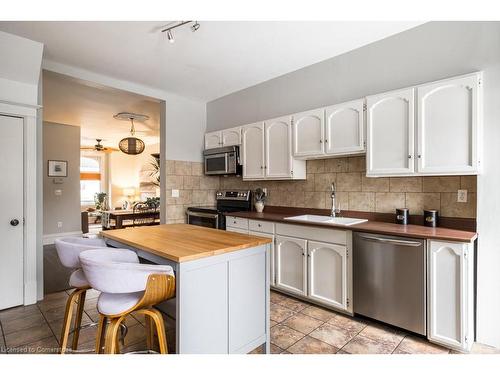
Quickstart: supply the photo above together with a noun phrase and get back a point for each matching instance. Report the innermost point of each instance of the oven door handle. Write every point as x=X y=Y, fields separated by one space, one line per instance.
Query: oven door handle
x=202 y=214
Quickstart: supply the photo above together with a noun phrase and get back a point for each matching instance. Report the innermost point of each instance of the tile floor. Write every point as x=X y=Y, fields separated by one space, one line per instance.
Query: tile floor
x=297 y=328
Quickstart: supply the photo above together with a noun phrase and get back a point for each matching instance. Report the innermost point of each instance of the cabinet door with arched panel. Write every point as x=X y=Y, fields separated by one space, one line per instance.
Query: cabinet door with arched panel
x=328 y=274
x=390 y=133
x=308 y=133
x=448 y=122
x=291 y=265
x=344 y=128
x=252 y=151
x=451 y=294
x=278 y=141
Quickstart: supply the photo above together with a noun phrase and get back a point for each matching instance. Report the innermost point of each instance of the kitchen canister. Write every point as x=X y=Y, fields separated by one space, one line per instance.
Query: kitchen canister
x=431 y=218
x=402 y=216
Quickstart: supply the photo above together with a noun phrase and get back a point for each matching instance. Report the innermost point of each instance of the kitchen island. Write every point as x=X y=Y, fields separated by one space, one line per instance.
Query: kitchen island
x=222 y=283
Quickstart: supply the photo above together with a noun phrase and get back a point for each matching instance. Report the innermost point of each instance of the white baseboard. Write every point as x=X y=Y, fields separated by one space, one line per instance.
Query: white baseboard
x=48 y=239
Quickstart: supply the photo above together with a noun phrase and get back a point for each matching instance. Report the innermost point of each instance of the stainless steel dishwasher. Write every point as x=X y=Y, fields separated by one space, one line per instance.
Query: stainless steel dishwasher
x=389 y=280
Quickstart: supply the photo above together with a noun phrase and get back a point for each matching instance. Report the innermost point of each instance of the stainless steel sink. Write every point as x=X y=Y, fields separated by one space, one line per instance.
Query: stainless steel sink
x=326 y=219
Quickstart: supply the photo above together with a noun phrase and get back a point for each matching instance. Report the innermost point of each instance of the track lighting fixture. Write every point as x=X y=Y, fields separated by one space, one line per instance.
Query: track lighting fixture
x=170 y=36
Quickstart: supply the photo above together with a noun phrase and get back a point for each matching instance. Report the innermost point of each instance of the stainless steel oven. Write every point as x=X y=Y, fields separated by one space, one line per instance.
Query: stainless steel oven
x=203 y=218
x=222 y=161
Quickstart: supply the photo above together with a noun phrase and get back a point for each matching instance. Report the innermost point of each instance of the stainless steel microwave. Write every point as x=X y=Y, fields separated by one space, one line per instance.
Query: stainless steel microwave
x=223 y=160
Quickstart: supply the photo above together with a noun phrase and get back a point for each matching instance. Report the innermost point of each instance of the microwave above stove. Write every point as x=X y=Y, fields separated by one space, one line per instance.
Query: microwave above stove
x=222 y=161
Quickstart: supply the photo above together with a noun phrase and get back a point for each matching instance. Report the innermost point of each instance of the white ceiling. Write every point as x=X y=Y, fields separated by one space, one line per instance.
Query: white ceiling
x=73 y=102
x=220 y=58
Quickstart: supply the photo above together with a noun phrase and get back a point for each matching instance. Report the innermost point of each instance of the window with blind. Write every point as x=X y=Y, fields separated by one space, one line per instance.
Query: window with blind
x=90 y=179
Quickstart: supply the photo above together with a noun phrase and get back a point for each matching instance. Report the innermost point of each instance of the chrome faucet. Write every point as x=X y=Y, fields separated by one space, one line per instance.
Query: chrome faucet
x=334 y=211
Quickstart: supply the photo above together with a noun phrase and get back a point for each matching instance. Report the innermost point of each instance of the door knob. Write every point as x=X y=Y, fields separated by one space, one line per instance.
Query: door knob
x=14 y=222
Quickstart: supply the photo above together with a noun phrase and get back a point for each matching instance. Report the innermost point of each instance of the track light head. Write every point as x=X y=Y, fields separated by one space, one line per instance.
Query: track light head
x=195 y=26
x=170 y=36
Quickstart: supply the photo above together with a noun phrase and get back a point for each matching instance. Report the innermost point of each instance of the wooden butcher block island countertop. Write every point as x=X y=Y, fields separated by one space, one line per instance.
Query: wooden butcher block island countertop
x=183 y=242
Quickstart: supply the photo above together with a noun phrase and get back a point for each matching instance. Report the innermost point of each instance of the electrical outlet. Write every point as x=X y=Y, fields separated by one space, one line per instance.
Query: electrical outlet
x=175 y=193
x=462 y=196
x=59 y=224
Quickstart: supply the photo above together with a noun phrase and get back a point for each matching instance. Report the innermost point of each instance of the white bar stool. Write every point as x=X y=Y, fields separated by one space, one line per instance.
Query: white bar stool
x=126 y=288
x=68 y=251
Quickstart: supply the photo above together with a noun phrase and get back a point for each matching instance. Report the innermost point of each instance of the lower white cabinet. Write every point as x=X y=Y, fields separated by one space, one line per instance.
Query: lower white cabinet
x=451 y=294
x=291 y=265
x=327 y=274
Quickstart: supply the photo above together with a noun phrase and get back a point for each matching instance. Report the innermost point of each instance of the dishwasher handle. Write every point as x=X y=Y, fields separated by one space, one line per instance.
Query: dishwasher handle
x=390 y=241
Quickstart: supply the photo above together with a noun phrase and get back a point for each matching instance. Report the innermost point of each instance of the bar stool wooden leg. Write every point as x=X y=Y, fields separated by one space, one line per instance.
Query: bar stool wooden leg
x=68 y=315
x=160 y=329
x=78 y=320
x=101 y=331
x=111 y=345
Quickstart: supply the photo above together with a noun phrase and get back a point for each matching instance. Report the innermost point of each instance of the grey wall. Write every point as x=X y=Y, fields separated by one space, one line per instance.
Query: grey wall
x=61 y=142
x=429 y=52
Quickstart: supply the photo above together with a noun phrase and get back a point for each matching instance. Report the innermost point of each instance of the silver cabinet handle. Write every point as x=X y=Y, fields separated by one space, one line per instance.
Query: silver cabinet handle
x=409 y=156
x=391 y=241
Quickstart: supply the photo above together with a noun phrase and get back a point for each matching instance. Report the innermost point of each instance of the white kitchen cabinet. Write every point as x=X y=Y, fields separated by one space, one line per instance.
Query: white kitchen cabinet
x=278 y=142
x=291 y=265
x=308 y=133
x=222 y=138
x=237 y=230
x=252 y=153
x=344 y=128
x=213 y=140
x=448 y=121
x=327 y=274
x=272 y=277
x=390 y=133
x=231 y=137
x=451 y=294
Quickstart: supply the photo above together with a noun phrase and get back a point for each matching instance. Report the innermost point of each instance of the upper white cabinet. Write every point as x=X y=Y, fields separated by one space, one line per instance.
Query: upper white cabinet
x=291 y=265
x=448 y=126
x=333 y=131
x=327 y=274
x=278 y=141
x=222 y=138
x=431 y=129
x=308 y=133
x=390 y=133
x=344 y=128
x=267 y=151
x=451 y=294
x=252 y=152
x=213 y=140
x=231 y=137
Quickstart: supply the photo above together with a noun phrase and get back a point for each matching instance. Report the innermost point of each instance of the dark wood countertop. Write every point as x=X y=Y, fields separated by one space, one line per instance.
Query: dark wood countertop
x=371 y=226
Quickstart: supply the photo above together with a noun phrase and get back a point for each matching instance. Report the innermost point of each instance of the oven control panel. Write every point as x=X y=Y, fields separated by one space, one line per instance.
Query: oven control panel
x=240 y=195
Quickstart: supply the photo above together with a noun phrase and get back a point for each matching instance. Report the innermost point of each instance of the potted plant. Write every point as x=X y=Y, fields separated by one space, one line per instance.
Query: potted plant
x=260 y=199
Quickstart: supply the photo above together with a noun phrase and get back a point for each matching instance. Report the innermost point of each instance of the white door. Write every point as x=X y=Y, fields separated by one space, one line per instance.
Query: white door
x=448 y=294
x=231 y=137
x=448 y=118
x=213 y=140
x=11 y=214
x=344 y=128
x=271 y=255
x=327 y=274
x=291 y=265
x=253 y=151
x=390 y=133
x=308 y=133
x=278 y=138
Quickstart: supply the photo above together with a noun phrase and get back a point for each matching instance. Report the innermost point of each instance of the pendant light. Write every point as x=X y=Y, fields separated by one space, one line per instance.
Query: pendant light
x=131 y=145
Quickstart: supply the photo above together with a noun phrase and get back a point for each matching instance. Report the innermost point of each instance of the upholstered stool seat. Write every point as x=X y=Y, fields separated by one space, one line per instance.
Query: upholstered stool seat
x=126 y=287
x=68 y=251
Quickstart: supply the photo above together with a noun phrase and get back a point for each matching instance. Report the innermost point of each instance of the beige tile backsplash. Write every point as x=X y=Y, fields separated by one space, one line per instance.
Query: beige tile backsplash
x=355 y=191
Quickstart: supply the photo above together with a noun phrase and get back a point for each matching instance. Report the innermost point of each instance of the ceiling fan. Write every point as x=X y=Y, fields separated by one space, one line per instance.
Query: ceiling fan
x=99 y=147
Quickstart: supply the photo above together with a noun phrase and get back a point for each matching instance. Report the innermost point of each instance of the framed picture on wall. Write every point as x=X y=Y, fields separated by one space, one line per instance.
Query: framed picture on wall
x=57 y=168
